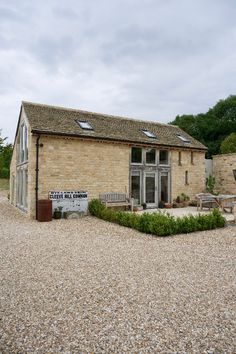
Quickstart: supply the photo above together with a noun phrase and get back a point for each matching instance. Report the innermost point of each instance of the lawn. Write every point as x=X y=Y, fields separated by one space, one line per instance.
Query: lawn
x=4 y=184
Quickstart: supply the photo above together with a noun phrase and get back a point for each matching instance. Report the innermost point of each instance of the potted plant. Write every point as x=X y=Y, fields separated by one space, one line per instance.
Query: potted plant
x=161 y=204
x=57 y=213
x=168 y=205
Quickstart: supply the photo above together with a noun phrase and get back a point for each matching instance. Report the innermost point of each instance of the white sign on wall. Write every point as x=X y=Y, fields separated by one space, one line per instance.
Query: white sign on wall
x=69 y=201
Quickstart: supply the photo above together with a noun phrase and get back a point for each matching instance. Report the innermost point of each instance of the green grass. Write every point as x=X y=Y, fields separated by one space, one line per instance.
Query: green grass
x=4 y=184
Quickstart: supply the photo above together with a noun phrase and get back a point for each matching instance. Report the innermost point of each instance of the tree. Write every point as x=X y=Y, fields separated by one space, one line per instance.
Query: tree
x=228 y=145
x=212 y=127
x=5 y=157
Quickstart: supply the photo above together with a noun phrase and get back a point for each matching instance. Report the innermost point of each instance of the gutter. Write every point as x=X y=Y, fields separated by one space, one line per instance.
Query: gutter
x=38 y=145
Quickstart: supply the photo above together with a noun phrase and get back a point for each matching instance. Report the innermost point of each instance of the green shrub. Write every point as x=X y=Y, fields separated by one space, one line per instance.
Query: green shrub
x=158 y=223
x=96 y=207
x=210 y=184
x=182 y=198
x=4 y=172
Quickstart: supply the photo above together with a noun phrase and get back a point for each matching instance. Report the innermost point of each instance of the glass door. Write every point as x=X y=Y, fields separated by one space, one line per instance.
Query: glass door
x=136 y=187
x=150 y=189
x=165 y=187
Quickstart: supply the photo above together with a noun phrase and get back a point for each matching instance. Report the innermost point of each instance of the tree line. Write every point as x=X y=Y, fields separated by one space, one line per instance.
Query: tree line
x=216 y=128
x=5 y=157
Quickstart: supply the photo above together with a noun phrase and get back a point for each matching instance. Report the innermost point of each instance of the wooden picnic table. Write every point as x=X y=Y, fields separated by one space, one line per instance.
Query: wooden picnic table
x=206 y=200
x=226 y=201
x=222 y=201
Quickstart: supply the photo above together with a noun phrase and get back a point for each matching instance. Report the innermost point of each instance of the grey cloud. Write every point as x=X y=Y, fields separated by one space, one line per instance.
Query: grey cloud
x=152 y=59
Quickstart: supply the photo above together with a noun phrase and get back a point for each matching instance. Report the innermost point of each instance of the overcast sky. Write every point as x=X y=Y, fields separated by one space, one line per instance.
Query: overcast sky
x=148 y=59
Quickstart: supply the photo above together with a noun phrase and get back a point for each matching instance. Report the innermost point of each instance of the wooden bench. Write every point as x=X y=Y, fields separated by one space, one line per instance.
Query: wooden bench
x=114 y=199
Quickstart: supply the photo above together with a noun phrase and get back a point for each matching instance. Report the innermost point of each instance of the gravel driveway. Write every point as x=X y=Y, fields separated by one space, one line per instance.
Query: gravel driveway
x=88 y=286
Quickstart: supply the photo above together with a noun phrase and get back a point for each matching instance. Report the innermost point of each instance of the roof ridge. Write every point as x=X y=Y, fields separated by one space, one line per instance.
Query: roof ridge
x=99 y=114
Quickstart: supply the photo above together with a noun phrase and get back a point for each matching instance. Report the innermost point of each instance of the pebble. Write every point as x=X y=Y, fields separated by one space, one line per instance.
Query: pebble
x=89 y=286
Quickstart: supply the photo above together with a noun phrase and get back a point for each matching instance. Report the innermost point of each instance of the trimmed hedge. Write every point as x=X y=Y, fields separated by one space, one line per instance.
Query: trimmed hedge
x=157 y=223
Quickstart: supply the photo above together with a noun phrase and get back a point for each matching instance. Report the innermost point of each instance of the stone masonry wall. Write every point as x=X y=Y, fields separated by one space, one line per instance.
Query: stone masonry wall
x=196 y=173
x=73 y=164
x=223 y=166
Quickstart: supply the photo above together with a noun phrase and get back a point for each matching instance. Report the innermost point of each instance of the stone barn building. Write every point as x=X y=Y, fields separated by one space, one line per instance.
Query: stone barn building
x=60 y=149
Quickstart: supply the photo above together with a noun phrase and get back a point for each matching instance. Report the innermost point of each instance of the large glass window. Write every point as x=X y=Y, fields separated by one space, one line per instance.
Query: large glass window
x=164 y=187
x=136 y=155
x=22 y=144
x=22 y=188
x=164 y=157
x=135 y=186
x=151 y=156
x=150 y=187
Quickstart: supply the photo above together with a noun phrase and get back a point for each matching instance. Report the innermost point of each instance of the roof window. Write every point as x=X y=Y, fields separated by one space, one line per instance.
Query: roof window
x=84 y=125
x=181 y=137
x=149 y=134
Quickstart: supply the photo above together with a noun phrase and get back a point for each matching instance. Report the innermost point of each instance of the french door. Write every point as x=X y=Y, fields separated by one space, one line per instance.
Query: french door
x=150 y=189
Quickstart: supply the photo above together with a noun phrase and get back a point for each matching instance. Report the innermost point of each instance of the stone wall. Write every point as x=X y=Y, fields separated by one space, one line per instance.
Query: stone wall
x=74 y=164
x=223 y=166
x=194 y=166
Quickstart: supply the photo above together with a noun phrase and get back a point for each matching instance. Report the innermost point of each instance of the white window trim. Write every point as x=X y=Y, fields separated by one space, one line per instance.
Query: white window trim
x=156 y=153
x=142 y=154
x=140 y=185
x=168 y=160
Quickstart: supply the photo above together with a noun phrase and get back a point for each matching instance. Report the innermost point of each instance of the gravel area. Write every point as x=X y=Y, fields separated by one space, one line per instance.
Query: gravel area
x=89 y=286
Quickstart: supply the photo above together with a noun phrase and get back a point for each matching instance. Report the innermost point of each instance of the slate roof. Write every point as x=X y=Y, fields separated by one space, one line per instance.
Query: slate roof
x=62 y=121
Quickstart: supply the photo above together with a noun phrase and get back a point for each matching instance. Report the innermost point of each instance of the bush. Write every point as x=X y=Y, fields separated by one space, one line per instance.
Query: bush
x=96 y=207
x=4 y=173
x=210 y=184
x=182 y=198
x=158 y=223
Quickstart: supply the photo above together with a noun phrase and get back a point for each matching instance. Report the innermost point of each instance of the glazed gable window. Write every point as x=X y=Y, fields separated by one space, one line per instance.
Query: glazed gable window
x=22 y=144
x=136 y=155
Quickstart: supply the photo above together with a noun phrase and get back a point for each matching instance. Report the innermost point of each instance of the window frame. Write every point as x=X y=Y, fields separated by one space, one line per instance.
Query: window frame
x=149 y=134
x=87 y=126
x=147 y=163
x=136 y=173
x=183 y=139
x=136 y=163
x=22 y=144
x=168 y=158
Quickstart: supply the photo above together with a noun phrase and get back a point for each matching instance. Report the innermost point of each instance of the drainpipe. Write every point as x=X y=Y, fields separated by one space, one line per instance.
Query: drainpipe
x=37 y=174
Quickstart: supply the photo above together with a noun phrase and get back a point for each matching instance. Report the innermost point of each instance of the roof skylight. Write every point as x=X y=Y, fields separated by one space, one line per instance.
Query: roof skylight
x=181 y=137
x=84 y=125
x=149 y=134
